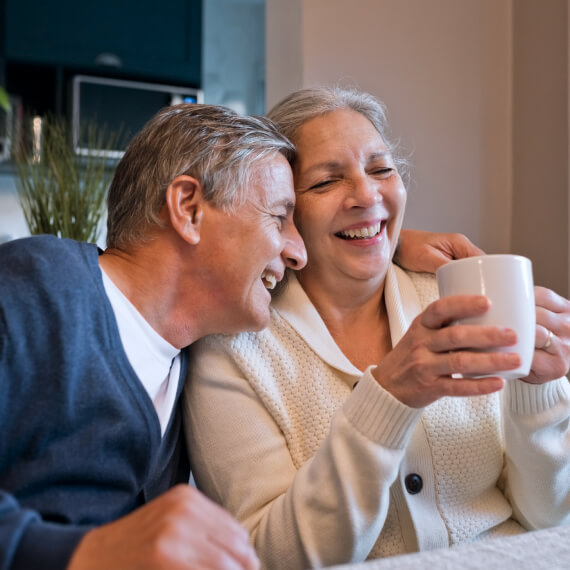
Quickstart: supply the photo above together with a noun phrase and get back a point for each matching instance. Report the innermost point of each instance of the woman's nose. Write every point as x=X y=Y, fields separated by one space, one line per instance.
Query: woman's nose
x=294 y=253
x=365 y=193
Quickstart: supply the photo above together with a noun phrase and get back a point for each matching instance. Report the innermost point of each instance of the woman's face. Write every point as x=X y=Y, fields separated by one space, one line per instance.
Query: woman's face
x=350 y=198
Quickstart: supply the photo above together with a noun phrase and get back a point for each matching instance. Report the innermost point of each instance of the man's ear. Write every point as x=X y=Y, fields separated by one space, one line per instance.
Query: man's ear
x=185 y=204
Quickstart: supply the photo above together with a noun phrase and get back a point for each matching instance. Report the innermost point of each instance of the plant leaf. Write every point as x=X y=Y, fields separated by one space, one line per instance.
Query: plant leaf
x=5 y=100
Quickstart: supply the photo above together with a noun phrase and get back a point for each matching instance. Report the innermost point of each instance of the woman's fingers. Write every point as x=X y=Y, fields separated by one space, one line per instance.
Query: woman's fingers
x=459 y=337
x=422 y=366
x=459 y=387
x=552 y=355
x=471 y=364
x=550 y=300
x=445 y=311
x=552 y=320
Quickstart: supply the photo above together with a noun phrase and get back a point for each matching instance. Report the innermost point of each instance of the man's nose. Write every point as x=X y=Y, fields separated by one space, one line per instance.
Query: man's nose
x=294 y=252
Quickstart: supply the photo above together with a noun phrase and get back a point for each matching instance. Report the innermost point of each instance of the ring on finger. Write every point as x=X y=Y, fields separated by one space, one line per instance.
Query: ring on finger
x=548 y=341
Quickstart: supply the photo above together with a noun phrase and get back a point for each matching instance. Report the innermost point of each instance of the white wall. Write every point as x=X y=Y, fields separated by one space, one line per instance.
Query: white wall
x=540 y=138
x=445 y=69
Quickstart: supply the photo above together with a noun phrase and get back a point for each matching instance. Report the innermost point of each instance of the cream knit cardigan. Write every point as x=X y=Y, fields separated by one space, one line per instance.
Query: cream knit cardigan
x=310 y=453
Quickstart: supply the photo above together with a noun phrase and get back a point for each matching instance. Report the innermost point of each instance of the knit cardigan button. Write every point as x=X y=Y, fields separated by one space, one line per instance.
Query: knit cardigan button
x=414 y=483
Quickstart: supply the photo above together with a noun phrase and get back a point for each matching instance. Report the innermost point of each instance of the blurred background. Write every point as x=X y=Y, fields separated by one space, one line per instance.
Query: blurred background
x=477 y=91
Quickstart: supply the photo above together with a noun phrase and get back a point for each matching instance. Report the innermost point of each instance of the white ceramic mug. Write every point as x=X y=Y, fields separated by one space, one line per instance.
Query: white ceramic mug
x=507 y=281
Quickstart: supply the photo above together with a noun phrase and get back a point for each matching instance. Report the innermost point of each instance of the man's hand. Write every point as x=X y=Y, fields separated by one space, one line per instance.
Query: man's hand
x=181 y=529
x=426 y=251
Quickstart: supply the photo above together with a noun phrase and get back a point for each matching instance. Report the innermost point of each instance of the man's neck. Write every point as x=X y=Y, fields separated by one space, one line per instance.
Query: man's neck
x=150 y=281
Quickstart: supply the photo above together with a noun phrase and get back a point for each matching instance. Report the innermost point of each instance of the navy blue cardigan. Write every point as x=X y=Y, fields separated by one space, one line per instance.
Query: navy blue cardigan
x=80 y=441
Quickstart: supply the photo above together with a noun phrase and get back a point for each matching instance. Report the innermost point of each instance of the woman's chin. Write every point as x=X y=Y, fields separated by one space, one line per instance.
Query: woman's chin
x=373 y=270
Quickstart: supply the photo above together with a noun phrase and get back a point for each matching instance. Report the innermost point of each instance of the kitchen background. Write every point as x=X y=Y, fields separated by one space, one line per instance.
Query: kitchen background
x=477 y=92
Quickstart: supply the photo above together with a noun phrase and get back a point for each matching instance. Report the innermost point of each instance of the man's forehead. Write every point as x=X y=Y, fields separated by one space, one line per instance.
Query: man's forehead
x=274 y=178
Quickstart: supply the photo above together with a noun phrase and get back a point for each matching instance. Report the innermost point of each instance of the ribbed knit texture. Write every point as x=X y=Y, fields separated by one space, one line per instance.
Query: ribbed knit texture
x=300 y=391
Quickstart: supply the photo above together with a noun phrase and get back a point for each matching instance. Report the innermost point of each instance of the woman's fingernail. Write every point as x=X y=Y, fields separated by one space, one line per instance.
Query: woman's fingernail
x=511 y=335
x=514 y=359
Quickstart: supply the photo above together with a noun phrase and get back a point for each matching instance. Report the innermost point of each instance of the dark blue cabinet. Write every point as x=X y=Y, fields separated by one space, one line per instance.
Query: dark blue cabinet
x=44 y=43
x=132 y=38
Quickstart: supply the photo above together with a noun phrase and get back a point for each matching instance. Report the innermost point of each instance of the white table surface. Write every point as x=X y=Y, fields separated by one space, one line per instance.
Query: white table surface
x=537 y=550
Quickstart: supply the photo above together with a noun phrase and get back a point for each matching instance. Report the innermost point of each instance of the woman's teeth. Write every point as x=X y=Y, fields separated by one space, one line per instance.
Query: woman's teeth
x=361 y=233
x=269 y=280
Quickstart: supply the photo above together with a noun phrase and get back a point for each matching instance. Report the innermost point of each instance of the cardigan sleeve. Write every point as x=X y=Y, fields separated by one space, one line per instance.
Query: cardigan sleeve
x=537 y=448
x=28 y=542
x=330 y=510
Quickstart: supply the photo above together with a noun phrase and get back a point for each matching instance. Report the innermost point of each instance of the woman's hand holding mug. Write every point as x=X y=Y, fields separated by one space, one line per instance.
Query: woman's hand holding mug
x=552 y=346
x=425 y=364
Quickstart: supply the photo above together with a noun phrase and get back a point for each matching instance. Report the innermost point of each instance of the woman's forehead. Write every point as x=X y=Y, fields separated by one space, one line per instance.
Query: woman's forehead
x=337 y=133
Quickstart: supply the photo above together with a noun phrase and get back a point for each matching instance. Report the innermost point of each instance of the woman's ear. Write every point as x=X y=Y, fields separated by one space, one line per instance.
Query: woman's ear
x=185 y=204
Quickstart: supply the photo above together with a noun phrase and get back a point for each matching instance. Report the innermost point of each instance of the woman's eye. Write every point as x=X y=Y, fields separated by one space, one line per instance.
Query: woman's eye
x=383 y=172
x=320 y=185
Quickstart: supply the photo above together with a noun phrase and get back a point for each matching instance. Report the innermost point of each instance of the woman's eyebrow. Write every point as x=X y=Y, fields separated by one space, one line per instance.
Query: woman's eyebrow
x=327 y=165
x=335 y=164
x=380 y=154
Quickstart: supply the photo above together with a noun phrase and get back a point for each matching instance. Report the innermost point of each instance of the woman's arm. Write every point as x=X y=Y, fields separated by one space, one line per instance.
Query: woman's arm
x=426 y=251
x=537 y=442
x=537 y=422
x=331 y=509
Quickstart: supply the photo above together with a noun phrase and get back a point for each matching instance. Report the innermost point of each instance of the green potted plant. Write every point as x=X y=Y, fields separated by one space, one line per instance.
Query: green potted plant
x=4 y=100
x=60 y=192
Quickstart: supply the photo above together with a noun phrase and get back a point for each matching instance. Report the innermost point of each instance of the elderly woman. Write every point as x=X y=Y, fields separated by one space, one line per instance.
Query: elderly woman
x=339 y=433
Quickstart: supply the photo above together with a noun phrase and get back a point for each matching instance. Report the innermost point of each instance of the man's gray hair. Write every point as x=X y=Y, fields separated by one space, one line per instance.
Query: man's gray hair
x=301 y=106
x=213 y=144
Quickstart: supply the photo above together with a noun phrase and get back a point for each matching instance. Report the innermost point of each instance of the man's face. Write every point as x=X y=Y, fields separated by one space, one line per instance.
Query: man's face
x=249 y=247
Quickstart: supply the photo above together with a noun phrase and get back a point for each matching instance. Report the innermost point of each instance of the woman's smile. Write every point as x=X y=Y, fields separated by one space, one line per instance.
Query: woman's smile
x=363 y=234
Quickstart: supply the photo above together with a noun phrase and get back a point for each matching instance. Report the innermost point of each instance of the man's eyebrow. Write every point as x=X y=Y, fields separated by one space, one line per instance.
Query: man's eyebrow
x=288 y=204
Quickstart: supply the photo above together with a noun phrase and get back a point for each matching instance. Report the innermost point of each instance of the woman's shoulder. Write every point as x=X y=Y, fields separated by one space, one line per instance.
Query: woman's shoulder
x=243 y=341
x=425 y=285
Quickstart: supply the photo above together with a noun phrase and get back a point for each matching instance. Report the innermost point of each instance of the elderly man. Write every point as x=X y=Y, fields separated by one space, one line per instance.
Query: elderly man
x=92 y=355
x=92 y=346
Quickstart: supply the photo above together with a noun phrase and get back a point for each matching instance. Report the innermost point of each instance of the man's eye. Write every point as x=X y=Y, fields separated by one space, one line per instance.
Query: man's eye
x=281 y=219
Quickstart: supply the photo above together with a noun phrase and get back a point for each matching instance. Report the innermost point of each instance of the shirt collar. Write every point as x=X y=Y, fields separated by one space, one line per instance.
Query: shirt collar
x=402 y=304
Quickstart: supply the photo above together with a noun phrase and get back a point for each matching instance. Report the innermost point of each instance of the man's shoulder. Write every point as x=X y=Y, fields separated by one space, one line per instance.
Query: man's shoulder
x=44 y=254
x=48 y=246
x=43 y=270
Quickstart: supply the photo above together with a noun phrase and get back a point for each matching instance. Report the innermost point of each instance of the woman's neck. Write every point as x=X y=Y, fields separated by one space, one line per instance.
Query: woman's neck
x=355 y=315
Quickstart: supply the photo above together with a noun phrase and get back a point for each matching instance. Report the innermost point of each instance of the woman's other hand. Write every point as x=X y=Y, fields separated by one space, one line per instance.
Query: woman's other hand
x=420 y=368
x=552 y=353
x=426 y=251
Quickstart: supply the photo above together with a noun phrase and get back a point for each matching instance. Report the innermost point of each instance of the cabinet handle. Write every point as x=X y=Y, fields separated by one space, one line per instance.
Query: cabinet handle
x=108 y=60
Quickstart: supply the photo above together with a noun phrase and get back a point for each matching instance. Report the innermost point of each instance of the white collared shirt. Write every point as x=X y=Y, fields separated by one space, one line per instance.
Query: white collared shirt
x=155 y=361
